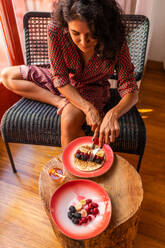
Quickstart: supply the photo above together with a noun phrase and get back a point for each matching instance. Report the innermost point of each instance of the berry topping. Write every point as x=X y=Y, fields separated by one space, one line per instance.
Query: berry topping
x=83 y=213
x=90 y=205
x=89 y=218
x=95 y=211
x=84 y=219
x=88 y=210
x=80 y=222
x=84 y=157
x=77 y=215
x=83 y=202
x=78 y=155
x=95 y=205
x=78 y=206
x=72 y=209
x=88 y=201
x=70 y=215
x=98 y=161
x=75 y=220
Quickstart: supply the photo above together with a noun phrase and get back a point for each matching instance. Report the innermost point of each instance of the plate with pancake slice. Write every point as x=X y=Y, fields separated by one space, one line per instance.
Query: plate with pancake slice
x=78 y=158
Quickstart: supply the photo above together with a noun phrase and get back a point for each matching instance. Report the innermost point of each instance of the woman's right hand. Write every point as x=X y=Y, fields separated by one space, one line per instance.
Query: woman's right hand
x=93 y=119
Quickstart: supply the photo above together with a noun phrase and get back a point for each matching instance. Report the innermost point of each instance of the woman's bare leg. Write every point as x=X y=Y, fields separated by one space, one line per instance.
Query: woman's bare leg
x=72 y=119
x=11 y=79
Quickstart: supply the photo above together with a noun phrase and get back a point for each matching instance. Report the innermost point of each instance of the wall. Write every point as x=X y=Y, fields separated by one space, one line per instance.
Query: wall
x=157 y=46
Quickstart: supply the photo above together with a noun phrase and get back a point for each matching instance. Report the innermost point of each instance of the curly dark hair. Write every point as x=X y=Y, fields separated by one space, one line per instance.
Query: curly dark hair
x=104 y=18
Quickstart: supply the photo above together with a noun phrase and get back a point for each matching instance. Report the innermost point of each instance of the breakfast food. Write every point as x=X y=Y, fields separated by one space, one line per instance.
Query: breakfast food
x=88 y=211
x=83 y=158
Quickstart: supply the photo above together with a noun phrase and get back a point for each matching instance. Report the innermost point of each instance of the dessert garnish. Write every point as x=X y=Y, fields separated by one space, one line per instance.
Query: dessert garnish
x=83 y=212
x=82 y=158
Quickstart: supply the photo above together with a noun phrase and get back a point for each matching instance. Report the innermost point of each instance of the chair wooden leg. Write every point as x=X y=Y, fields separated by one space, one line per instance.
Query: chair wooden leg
x=10 y=157
x=139 y=163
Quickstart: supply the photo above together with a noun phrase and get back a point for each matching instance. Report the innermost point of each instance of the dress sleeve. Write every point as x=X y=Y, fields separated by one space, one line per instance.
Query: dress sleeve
x=58 y=69
x=125 y=71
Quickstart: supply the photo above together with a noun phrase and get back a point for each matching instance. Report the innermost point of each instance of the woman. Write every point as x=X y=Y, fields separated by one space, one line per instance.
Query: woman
x=86 y=44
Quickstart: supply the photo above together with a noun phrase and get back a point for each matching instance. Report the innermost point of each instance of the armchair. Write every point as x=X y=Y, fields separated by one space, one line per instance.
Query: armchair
x=33 y=122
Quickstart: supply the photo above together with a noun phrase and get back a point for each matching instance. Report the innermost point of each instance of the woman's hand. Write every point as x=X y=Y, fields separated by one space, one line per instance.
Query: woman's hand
x=61 y=105
x=109 y=129
x=93 y=119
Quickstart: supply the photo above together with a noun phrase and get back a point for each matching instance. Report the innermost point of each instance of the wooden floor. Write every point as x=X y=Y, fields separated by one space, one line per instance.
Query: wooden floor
x=23 y=222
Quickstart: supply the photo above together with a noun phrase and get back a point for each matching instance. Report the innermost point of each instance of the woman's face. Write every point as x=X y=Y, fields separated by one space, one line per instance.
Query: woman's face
x=81 y=36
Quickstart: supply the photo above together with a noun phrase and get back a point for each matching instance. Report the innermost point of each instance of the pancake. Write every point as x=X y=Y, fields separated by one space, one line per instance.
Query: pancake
x=82 y=158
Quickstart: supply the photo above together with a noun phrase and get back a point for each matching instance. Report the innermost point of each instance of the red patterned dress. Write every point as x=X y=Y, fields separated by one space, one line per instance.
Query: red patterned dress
x=67 y=67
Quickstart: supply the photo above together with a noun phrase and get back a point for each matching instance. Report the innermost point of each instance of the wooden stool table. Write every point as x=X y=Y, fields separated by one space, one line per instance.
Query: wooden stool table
x=124 y=187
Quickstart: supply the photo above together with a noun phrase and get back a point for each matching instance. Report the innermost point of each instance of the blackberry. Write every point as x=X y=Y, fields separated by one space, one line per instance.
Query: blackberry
x=70 y=215
x=75 y=221
x=72 y=209
x=78 y=155
x=77 y=215
x=84 y=158
x=98 y=161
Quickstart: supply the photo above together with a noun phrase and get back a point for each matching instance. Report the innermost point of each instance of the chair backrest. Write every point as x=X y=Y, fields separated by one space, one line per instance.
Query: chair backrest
x=35 y=31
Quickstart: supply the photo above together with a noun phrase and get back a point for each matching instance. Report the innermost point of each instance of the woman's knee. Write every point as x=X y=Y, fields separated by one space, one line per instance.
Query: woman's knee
x=72 y=120
x=8 y=75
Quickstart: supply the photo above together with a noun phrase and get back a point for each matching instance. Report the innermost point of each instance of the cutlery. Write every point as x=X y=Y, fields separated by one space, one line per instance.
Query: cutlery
x=94 y=151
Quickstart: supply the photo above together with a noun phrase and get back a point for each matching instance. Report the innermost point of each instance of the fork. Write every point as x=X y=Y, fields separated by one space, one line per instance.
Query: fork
x=94 y=151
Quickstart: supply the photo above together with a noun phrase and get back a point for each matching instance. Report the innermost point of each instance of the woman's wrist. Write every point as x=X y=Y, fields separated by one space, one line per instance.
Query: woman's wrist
x=114 y=112
x=86 y=107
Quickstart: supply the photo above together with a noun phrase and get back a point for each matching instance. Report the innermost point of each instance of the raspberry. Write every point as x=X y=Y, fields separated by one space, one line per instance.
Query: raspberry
x=84 y=219
x=89 y=218
x=88 y=210
x=95 y=211
x=88 y=201
x=78 y=151
x=95 y=205
x=91 y=210
x=90 y=205
x=80 y=222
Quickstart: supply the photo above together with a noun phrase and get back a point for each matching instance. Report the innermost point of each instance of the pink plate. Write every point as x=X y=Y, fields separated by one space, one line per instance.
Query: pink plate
x=68 y=158
x=71 y=193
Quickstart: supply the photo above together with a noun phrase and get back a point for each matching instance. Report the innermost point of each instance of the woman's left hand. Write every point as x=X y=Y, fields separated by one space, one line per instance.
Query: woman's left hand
x=109 y=129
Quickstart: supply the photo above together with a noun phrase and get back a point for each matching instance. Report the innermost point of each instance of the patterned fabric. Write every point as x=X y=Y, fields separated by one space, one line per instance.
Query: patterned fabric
x=67 y=67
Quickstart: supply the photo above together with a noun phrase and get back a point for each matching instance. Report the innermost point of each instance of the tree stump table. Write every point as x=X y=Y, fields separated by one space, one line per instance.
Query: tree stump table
x=124 y=186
